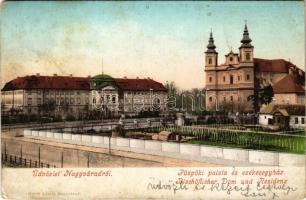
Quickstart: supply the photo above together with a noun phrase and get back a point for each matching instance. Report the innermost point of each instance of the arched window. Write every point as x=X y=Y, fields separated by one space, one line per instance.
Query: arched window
x=248 y=76
x=209 y=60
x=210 y=79
x=247 y=56
x=231 y=79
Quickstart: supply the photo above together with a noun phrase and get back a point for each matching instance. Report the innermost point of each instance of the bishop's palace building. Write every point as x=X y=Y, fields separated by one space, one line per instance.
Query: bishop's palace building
x=229 y=85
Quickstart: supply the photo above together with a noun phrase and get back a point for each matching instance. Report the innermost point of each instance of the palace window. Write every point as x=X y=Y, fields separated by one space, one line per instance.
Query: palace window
x=247 y=56
x=79 y=100
x=29 y=101
x=210 y=79
x=71 y=101
x=114 y=99
x=296 y=120
x=303 y=120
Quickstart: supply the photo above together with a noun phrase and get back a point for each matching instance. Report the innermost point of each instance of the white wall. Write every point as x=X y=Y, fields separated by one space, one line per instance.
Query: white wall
x=177 y=150
x=299 y=124
x=264 y=119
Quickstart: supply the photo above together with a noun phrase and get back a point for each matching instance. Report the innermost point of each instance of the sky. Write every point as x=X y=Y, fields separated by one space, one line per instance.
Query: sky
x=165 y=41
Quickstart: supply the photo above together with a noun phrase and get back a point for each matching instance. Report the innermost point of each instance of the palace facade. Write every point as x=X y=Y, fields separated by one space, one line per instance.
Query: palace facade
x=68 y=95
x=228 y=85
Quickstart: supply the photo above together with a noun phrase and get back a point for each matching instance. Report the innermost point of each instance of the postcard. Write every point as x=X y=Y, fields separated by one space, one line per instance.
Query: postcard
x=152 y=100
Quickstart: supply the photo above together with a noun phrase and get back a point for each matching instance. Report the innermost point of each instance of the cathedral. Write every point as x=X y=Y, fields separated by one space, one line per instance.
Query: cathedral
x=228 y=85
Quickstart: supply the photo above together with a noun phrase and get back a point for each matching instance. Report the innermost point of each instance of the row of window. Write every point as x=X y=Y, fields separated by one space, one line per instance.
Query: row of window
x=54 y=92
x=296 y=120
x=108 y=98
x=58 y=101
x=224 y=98
x=231 y=78
x=247 y=58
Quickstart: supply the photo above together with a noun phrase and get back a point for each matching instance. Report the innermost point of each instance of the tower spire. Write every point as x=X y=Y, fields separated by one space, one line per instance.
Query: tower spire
x=246 y=40
x=211 y=46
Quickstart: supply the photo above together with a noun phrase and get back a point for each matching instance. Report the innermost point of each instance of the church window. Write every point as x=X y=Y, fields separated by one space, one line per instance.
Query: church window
x=210 y=79
x=231 y=79
x=238 y=78
x=231 y=59
x=231 y=98
x=224 y=98
x=210 y=99
x=248 y=76
x=209 y=60
x=223 y=78
x=247 y=56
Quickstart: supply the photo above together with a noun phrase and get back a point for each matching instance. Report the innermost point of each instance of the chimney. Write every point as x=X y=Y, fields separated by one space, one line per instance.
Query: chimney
x=37 y=74
x=54 y=74
x=70 y=75
x=125 y=77
x=137 y=77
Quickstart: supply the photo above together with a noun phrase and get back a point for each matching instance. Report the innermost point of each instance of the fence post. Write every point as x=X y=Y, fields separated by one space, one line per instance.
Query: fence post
x=88 y=160
x=20 y=154
x=39 y=156
x=62 y=160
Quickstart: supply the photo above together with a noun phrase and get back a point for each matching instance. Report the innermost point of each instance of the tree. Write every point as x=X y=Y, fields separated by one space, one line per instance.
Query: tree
x=261 y=96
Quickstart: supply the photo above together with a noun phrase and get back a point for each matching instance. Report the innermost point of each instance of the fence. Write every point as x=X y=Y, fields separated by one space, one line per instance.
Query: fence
x=237 y=137
x=18 y=161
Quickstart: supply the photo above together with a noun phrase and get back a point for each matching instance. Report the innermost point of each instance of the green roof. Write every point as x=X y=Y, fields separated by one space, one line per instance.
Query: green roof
x=101 y=80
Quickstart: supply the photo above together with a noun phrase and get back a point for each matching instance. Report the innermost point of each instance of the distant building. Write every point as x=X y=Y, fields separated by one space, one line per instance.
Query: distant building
x=283 y=116
x=289 y=90
x=241 y=74
x=68 y=95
